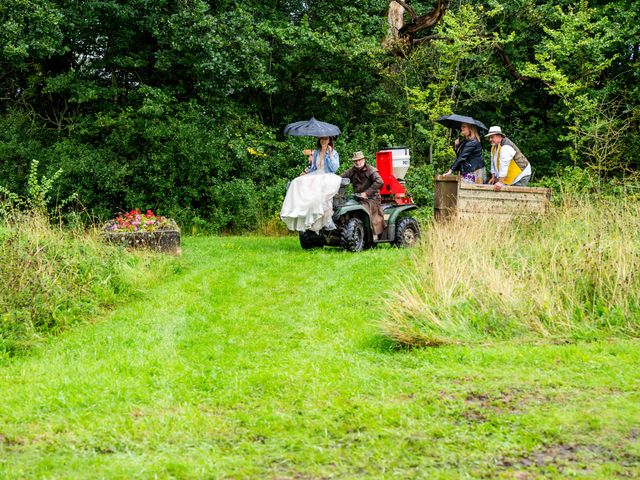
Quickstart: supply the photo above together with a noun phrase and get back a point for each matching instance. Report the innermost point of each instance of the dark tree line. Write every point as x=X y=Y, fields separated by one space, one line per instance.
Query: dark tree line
x=179 y=106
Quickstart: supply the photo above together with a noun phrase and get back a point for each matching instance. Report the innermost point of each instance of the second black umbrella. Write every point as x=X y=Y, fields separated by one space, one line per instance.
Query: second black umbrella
x=454 y=120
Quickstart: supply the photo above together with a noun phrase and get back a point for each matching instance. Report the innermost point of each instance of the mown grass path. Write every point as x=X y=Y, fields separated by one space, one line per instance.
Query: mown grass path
x=261 y=360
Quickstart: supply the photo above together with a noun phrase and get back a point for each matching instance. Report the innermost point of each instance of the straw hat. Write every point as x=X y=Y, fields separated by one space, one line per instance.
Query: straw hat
x=357 y=156
x=494 y=130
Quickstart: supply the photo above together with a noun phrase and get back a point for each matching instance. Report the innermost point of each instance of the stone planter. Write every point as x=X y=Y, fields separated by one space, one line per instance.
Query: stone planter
x=166 y=241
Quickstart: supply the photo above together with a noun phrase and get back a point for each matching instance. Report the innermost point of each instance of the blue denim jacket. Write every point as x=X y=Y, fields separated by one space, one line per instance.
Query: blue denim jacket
x=331 y=161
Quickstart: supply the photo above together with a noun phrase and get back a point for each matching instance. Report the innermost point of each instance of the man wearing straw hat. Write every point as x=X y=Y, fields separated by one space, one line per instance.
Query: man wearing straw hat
x=508 y=165
x=366 y=183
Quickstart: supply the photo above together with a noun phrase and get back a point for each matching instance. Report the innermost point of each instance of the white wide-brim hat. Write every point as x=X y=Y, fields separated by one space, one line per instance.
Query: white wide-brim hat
x=357 y=156
x=494 y=130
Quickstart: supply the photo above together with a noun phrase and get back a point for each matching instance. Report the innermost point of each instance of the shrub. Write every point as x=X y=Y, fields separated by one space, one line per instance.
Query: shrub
x=236 y=205
x=421 y=185
x=569 y=182
x=52 y=278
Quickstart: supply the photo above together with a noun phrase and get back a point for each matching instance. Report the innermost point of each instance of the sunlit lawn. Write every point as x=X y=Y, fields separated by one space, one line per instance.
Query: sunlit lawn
x=261 y=360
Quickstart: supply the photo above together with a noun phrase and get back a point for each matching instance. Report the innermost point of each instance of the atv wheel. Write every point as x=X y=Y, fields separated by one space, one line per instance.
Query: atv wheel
x=407 y=233
x=310 y=239
x=352 y=235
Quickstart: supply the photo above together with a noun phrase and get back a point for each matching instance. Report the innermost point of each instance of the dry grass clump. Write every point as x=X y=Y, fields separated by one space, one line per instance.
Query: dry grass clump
x=272 y=226
x=572 y=274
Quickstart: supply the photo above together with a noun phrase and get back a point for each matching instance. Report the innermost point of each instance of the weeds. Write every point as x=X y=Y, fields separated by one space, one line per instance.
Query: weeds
x=38 y=198
x=272 y=226
x=52 y=278
x=572 y=274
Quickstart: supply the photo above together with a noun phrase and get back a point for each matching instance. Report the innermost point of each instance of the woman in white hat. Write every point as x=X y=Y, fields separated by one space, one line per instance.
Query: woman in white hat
x=508 y=165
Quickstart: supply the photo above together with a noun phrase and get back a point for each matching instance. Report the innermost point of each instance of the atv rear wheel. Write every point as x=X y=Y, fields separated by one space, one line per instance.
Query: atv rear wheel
x=352 y=235
x=407 y=233
x=310 y=239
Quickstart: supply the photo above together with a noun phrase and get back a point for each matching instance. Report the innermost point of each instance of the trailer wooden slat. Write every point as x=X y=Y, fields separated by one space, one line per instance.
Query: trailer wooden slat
x=457 y=200
x=500 y=196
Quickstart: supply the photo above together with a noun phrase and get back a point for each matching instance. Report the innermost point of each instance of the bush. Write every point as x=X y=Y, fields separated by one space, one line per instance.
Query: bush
x=53 y=278
x=236 y=206
x=573 y=274
x=569 y=182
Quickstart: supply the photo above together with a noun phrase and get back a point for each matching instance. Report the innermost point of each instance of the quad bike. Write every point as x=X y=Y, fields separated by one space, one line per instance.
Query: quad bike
x=353 y=229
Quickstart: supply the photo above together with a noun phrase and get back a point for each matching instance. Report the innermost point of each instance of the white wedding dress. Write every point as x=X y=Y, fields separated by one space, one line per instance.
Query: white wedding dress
x=308 y=204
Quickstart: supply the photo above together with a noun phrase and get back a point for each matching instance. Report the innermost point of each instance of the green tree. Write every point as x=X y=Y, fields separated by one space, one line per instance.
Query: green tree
x=164 y=104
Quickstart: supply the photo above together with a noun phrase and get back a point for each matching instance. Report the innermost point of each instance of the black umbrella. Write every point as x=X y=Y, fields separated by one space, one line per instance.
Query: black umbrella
x=454 y=120
x=312 y=128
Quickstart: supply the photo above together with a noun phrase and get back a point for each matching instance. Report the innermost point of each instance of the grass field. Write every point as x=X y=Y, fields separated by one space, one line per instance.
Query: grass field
x=260 y=360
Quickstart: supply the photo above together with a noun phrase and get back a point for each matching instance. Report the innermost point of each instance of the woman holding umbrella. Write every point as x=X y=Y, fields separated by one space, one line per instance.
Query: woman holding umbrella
x=324 y=159
x=308 y=202
x=469 y=161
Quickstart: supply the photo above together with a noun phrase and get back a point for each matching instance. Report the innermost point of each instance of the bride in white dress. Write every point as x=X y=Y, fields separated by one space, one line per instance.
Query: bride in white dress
x=308 y=203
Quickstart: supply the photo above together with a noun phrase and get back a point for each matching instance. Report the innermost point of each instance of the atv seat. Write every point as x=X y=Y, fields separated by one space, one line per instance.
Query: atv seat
x=340 y=198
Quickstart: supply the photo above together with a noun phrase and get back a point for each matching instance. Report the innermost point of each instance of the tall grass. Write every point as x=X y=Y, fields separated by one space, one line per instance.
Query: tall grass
x=572 y=274
x=51 y=278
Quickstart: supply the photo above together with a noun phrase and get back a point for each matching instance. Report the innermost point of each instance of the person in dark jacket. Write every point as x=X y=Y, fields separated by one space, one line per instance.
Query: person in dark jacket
x=366 y=183
x=469 y=161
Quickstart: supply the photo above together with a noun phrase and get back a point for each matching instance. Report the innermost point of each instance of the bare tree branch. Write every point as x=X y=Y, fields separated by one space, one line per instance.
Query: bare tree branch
x=425 y=21
x=408 y=8
x=502 y=55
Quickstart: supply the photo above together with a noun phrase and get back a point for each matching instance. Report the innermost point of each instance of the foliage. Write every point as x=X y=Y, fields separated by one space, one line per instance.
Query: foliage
x=420 y=182
x=54 y=278
x=570 y=183
x=179 y=107
x=236 y=205
x=441 y=77
x=38 y=198
x=594 y=116
x=570 y=275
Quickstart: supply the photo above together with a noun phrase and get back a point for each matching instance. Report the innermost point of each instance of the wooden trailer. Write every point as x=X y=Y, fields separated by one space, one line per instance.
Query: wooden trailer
x=458 y=200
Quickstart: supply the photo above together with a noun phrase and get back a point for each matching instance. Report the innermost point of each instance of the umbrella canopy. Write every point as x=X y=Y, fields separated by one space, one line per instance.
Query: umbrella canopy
x=312 y=128
x=454 y=120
